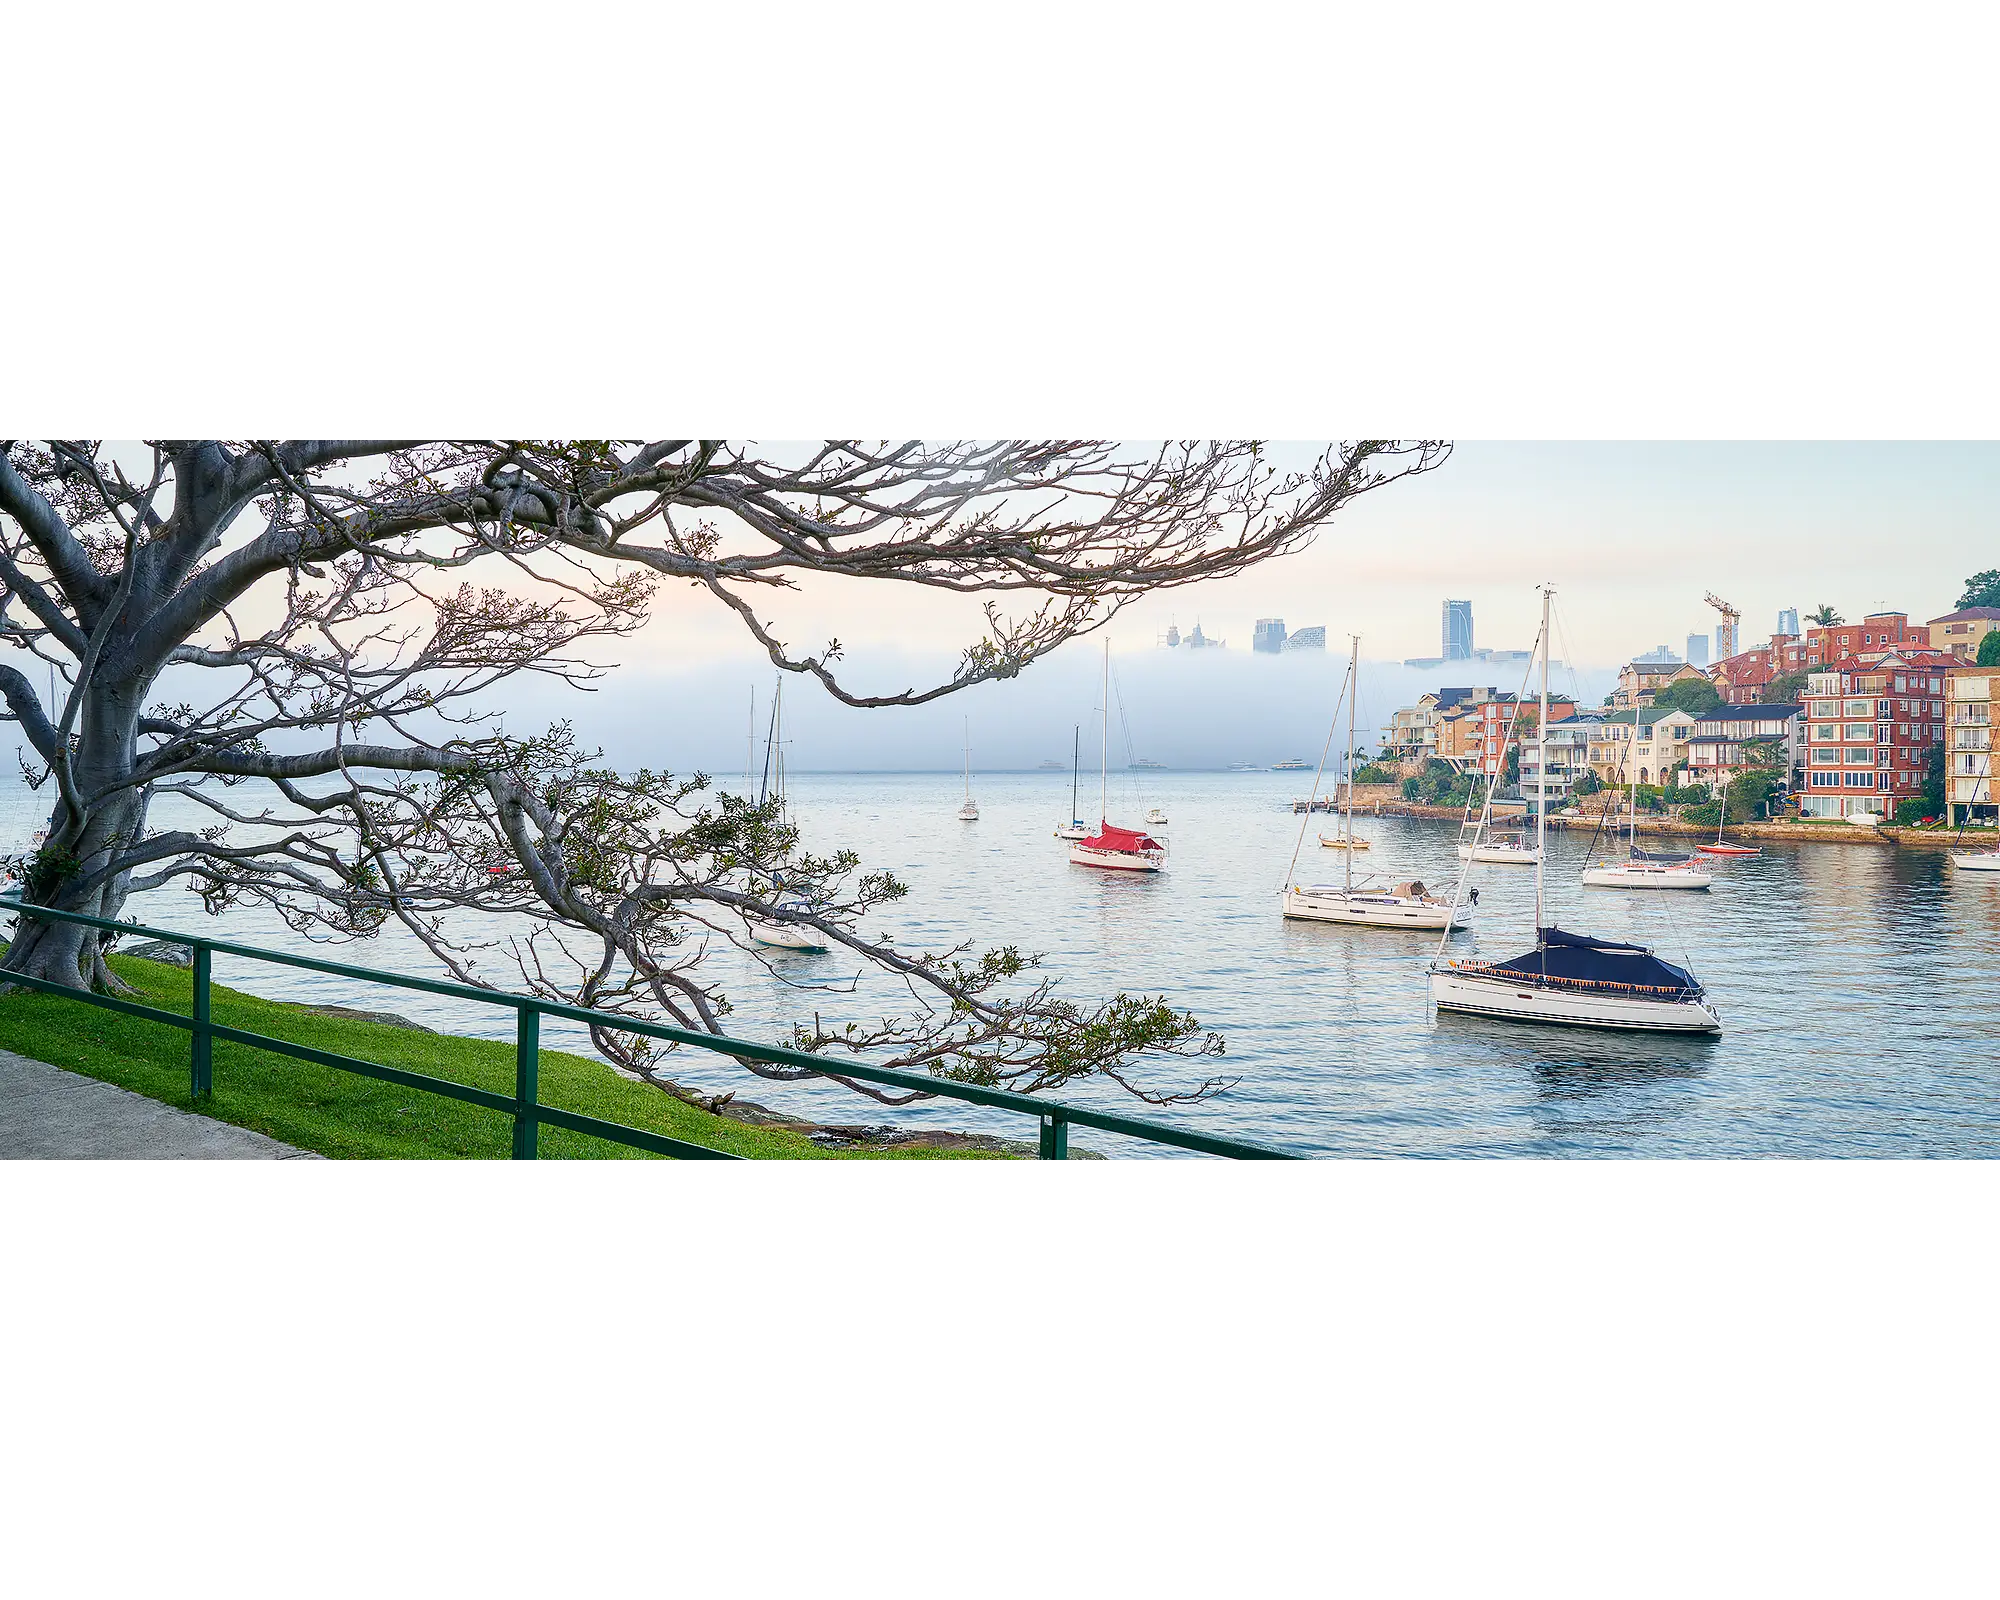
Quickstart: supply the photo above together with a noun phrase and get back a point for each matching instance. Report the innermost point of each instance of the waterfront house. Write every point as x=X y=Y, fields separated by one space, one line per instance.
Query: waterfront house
x=1960 y=631
x=1640 y=680
x=1732 y=739
x=1744 y=678
x=1473 y=736
x=1413 y=730
x=1970 y=693
x=1870 y=726
x=1643 y=745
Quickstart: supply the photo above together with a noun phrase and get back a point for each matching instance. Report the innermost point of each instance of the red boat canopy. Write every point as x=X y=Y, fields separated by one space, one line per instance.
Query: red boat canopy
x=1110 y=838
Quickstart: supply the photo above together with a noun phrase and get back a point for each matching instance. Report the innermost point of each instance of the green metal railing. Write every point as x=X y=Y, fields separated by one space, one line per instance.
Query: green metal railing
x=528 y=1111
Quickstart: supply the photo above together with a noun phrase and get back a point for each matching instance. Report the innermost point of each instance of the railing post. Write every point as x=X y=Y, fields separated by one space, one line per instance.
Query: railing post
x=527 y=1061
x=201 y=1071
x=1055 y=1137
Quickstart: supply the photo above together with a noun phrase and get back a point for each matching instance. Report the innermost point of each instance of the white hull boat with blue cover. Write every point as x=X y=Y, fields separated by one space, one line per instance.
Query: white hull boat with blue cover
x=1572 y=979
x=1627 y=987
x=1976 y=860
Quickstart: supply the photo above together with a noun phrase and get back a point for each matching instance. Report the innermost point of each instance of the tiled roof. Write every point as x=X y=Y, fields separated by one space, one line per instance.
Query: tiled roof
x=1971 y=614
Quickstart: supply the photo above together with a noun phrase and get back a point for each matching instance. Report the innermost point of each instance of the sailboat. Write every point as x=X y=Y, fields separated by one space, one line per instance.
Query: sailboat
x=969 y=812
x=1509 y=849
x=769 y=930
x=1719 y=848
x=1114 y=849
x=1076 y=827
x=1642 y=869
x=1572 y=979
x=1401 y=905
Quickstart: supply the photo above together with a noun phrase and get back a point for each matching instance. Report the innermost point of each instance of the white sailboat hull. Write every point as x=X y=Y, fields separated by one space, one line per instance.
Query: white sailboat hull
x=1073 y=830
x=1976 y=861
x=968 y=812
x=1118 y=860
x=1624 y=875
x=1500 y=855
x=1525 y=1001
x=1361 y=908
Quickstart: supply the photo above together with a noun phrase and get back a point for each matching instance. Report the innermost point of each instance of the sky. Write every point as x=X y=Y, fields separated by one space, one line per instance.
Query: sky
x=1631 y=535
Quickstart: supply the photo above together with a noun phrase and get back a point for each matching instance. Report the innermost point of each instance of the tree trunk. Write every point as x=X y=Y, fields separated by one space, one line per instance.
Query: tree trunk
x=64 y=952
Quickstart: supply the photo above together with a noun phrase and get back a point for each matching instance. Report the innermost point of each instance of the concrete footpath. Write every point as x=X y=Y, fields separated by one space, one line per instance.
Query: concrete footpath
x=47 y=1114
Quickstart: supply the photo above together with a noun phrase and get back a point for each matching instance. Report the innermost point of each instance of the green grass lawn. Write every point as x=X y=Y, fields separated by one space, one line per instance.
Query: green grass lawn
x=344 y=1115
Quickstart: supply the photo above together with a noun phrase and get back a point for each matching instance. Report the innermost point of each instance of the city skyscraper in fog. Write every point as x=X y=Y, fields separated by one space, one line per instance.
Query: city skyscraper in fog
x=1458 y=630
x=1788 y=621
x=1697 y=650
x=1269 y=635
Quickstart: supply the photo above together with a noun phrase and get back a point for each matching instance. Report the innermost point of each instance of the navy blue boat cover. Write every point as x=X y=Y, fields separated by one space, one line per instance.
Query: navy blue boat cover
x=1578 y=956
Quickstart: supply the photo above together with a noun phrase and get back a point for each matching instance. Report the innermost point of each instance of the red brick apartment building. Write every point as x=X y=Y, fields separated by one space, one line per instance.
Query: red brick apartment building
x=1743 y=678
x=1870 y=726
x=1874 y=633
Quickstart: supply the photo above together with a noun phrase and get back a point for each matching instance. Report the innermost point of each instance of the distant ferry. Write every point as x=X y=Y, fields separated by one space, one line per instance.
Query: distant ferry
x=1049 y=766
x=1246 y=769
x=1147 y=766
x=1293 y=765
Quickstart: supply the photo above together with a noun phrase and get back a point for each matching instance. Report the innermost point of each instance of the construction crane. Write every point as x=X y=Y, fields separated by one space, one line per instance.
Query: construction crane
x=1725 y=636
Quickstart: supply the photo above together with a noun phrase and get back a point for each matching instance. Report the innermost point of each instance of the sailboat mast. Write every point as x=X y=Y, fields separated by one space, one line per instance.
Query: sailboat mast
x=770 y=743
x=1075 y=767
x=1347 y=755
x=1104 y=768
x=968 y=760
x=1542 y=770
x=778 y=740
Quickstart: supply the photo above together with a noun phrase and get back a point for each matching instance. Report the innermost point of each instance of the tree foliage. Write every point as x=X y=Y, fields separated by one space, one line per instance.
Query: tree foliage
x=1825 y=617
x=310 y=644
x=1989 y=649
x=1692 y=695
x=1981 y=589
x=1787 y=689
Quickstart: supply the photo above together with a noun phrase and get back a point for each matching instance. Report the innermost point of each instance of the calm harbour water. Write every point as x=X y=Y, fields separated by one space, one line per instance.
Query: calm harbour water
x=1850 y=979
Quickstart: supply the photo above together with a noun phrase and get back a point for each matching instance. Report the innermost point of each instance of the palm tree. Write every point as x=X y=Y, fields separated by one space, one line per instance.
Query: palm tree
x=1825 y=617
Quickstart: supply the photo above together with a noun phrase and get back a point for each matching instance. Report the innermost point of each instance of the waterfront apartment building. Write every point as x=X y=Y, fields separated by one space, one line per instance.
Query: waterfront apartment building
x=1269 y=635
x=1970 y=694
x=1960 y=631
x=1618 y=756
x=1568 y=740
x=1870 y=727
x=1732 y=739
x=1873 y=634
x=1458 y=630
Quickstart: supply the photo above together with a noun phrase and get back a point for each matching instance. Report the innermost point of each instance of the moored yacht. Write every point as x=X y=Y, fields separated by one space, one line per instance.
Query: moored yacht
x=1076 y=827
x=1399 y=905
x=770 y=930
x=969 y=812
x=1363 y=904
x=1573 y=979
x=1114 y=849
